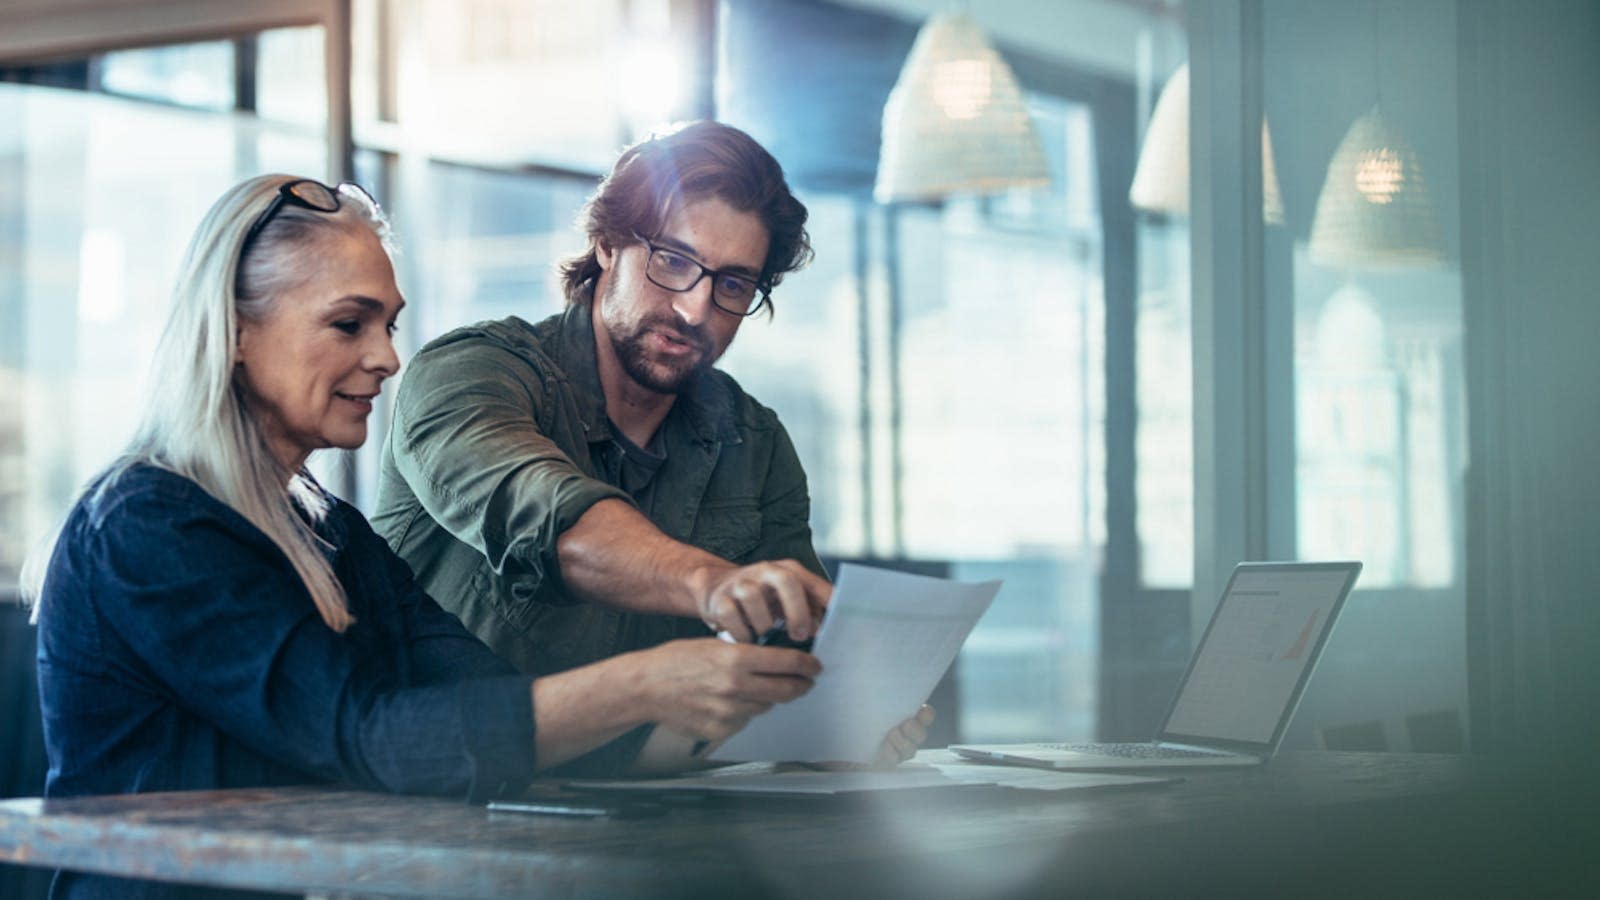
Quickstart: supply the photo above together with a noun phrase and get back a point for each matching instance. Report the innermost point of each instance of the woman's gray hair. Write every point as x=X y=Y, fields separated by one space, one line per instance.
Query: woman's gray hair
x=197 y=420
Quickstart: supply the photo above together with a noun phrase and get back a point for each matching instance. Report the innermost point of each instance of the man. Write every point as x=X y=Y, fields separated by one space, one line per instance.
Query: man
x=590 y=485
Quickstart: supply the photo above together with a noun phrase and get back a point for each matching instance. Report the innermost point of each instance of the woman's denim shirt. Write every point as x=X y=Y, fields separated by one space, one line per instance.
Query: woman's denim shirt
x=179 y=650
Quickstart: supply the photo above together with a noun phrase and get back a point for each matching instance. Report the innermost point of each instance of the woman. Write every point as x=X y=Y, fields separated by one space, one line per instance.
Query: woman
x=211 y=618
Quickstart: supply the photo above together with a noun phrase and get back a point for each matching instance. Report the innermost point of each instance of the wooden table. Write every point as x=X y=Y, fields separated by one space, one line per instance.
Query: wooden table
x=1309 y=824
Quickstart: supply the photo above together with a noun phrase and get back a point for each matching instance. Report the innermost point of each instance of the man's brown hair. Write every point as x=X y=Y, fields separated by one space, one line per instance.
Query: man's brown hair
x=703 y=159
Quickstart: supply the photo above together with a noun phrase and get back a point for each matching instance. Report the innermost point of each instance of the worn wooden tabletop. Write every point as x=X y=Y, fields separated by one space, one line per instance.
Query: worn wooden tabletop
x=1303 y=817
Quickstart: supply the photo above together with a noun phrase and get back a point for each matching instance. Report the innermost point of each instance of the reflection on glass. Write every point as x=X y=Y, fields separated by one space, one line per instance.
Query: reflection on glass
x=1379 y=443
x=1374 y=478
x=1379 y=175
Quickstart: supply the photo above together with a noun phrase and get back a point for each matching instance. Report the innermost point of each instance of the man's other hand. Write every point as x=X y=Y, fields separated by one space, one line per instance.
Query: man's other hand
x=902 y=741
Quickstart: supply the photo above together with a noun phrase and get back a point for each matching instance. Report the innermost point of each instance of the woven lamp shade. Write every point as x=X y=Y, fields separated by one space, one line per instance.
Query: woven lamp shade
x=955 y=121
x=1161 y=179
x=1375 y=210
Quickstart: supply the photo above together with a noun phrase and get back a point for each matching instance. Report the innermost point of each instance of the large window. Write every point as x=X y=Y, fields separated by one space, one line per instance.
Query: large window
x=98 y=195
x=519 y=82
x=1000 y=386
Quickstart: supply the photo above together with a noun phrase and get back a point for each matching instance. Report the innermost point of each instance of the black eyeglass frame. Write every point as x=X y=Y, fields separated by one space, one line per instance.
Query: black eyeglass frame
x=289 y=193
x=762 y=294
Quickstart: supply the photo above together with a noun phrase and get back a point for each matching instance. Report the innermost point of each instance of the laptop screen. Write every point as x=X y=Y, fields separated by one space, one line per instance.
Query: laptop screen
x=1257 y=654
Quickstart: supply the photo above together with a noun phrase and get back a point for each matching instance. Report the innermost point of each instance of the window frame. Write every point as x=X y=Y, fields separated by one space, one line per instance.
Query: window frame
x=41 y=31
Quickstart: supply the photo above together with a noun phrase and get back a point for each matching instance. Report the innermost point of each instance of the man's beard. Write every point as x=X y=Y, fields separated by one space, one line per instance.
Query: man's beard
x=661 y=377
x=642 y=366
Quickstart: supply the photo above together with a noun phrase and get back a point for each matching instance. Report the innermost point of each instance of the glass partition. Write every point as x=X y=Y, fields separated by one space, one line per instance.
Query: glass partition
x=1365 y=130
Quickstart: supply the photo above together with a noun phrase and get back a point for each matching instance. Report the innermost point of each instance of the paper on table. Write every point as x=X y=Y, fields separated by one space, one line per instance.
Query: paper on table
x=1027 y=778
x=778 y=782
x=886 y=640
x=929 y=769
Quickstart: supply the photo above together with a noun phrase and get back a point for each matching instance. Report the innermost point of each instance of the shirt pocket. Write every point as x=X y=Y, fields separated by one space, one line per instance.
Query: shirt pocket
x=731 y=529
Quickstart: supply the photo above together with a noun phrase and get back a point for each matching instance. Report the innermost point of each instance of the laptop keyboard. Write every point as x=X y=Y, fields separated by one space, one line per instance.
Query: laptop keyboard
x=1130 y=751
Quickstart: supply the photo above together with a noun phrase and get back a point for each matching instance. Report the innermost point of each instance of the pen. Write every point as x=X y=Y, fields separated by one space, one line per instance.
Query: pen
x=579 y=808
x=776 y=636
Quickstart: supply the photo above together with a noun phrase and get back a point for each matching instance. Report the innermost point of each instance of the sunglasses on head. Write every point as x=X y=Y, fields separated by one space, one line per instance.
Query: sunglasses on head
x=307 y=193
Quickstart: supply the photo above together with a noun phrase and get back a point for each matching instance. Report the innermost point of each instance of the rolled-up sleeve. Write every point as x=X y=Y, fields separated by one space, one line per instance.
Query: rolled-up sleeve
x=467 y=441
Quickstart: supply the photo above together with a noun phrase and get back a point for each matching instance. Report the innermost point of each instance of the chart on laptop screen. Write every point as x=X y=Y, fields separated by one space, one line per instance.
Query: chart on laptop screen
x=1259 y=645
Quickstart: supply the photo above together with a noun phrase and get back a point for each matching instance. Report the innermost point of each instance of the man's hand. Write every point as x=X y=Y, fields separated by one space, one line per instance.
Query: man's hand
x=708 y=689
x=902 y=741
x=744 y=601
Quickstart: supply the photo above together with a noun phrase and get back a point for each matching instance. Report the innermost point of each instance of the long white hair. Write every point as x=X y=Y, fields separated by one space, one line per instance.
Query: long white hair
x=197 y=420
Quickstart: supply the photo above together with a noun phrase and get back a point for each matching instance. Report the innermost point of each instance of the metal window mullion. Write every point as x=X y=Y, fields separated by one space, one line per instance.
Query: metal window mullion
x=1231 y=317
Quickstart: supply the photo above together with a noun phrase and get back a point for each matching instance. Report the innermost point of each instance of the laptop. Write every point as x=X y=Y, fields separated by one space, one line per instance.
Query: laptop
x=1234 y=703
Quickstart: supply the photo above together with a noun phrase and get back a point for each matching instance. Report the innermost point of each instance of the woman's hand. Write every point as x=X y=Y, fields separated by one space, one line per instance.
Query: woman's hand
x=708 y=689
x=700 y=690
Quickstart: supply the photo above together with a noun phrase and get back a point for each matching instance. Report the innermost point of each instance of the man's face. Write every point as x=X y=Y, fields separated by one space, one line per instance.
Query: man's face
x=661 y=339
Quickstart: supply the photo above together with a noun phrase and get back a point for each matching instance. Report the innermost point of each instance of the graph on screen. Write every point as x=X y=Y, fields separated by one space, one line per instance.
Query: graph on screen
x=1259 y=644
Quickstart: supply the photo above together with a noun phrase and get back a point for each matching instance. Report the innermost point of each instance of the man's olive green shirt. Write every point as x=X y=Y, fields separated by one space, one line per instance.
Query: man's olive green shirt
x=496 y=448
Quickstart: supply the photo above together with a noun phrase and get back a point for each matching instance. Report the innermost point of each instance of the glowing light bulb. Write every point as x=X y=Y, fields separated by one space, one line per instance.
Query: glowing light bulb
x=1380 y=175
x=962 y=87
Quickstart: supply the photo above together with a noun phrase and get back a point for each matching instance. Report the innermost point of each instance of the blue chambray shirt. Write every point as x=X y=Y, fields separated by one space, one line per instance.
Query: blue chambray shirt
x=177 y=649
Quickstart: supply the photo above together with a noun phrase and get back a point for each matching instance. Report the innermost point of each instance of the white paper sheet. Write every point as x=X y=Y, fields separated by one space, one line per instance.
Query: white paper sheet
x=1027 y=778
x=929 y=769
x=782 y=782
x=885 y=642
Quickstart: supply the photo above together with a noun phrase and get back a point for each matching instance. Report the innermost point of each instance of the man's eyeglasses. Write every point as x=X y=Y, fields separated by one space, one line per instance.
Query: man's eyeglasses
x=734 y=294
x=310 y=194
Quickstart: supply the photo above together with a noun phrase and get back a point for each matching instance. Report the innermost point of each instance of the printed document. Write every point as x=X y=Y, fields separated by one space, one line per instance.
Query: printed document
x=929 y=769
x=884 y=643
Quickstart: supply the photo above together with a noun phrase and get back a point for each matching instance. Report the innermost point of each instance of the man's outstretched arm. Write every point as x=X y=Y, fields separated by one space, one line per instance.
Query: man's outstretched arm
x=616 y=556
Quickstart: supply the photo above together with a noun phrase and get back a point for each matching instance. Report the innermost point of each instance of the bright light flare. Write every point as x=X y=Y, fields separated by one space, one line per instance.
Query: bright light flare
x=650 y=80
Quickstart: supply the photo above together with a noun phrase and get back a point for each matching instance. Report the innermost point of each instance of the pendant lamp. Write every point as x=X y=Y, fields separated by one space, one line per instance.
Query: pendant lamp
x=1375 y=210
x=1161 y=179
x=955 y=121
